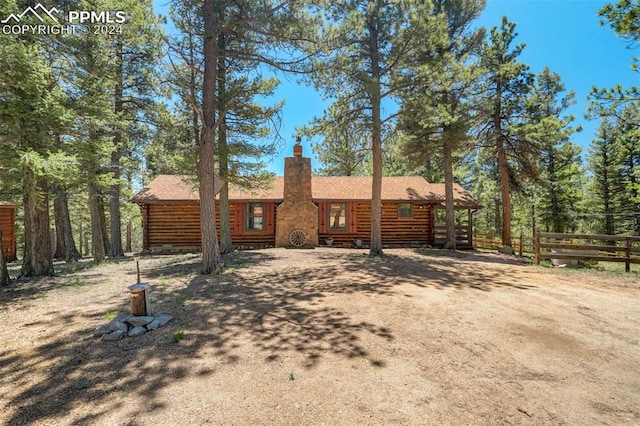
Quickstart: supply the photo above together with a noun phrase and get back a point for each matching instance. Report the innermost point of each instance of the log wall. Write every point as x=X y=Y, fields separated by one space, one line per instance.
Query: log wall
x=177 y=226
x=8 y=228
x=395 y=230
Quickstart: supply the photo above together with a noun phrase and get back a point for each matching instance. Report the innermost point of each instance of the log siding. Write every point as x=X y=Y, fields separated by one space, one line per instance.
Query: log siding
x=177 y=226
x=171 y=214
x=8 y=229
x=395 y=230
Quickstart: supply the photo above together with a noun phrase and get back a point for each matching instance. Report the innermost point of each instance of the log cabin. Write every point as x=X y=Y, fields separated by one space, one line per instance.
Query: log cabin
x=8 y=230
x=299 y=210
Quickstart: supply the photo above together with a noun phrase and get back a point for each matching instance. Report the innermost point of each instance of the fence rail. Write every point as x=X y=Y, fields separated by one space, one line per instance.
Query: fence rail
x=523 y=245
x=557 y=247
x=462 y=234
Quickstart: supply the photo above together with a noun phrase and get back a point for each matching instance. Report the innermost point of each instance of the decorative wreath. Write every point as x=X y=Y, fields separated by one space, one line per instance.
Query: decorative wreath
x=297 y=237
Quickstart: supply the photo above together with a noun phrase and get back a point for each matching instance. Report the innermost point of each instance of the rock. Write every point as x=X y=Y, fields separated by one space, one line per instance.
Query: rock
x=130 y=325
x=137 y=331
x=506 y=250
x=102 y=330
x=118 y=325
x=163 y=319
x=116 y=335
x=121 y=317
x=138 y=320
x=153 y=325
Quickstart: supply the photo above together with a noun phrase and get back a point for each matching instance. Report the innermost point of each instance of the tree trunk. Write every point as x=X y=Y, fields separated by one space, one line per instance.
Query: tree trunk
x=65 y=244
x=128 y=239
x=503 y=167
x=103 y=223
x=450 y=242
x=505 y=193
x=60 y=248
x=211 y=259
x=4 y=272
x=86 y=244
x=115 y=249
x=97 y=236
x=80 y=240
x=609 y=226
x=38 y=256
x=376 y=140
x=226 y=244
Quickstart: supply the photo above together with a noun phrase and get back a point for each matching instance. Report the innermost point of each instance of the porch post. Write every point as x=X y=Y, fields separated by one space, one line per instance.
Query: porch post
x=470 y=227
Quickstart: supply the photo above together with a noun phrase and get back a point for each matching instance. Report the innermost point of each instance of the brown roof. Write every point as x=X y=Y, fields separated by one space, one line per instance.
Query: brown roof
x=396 y=188
x=273 y=192
x=172 y=188
x=324 y=188
x=8 y=204
x=461 y=198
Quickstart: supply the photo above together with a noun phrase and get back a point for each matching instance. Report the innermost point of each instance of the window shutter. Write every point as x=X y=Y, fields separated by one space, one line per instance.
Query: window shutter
x=353 y=217
x=322 y=218
x=270 y=218
x=237 y=218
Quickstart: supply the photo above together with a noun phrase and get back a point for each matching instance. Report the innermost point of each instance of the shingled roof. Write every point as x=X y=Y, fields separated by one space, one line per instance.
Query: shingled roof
x=394 y=188
x=173 y=188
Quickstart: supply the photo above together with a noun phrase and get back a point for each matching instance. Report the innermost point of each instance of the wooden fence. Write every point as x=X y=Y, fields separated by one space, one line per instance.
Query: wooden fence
x=462 y=235
x=600 y=248
x=522 y=245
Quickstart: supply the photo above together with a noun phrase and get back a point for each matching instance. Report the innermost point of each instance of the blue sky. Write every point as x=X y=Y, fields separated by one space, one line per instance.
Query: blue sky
x=564 y=35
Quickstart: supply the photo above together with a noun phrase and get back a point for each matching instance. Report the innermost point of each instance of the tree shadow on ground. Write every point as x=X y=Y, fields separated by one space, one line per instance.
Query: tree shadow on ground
x=292 y=309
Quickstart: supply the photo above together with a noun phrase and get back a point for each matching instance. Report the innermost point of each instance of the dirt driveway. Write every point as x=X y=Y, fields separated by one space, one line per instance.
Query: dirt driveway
x=327 y=336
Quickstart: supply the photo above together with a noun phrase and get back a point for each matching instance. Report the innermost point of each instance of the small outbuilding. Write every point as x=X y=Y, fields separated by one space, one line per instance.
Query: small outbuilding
x=8 y=230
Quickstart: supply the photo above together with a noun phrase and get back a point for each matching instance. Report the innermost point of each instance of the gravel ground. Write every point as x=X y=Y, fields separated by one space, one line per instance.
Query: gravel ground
x=326 y=336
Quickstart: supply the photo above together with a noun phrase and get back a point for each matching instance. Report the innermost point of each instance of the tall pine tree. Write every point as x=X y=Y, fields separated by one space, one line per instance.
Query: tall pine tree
x=436 y=114
x=365 y=45
x=506 y=86
x=606 y=185
x=559 y=165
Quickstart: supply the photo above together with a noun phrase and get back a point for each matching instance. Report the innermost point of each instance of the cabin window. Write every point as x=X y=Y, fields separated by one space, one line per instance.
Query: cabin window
x=337 y=216
x=254 y=217
x=405 y=210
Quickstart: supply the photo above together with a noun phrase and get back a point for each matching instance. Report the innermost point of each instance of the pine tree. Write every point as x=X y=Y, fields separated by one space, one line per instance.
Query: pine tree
x=623 y=18
x=135 y=54
x=366 y=42
x=92 y=93
x=436 y=113
x=343 y=147
x=238 y=35
x=31 y=113
x=506 y=87
x=549 y=132
x=606 y=183
x=628 y=129
x=65 y=179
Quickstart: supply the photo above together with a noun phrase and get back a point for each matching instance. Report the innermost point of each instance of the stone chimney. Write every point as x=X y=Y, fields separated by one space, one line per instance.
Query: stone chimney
x=297 y=216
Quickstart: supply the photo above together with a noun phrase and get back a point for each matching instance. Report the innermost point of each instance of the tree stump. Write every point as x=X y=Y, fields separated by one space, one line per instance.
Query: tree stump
x=139 y=303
